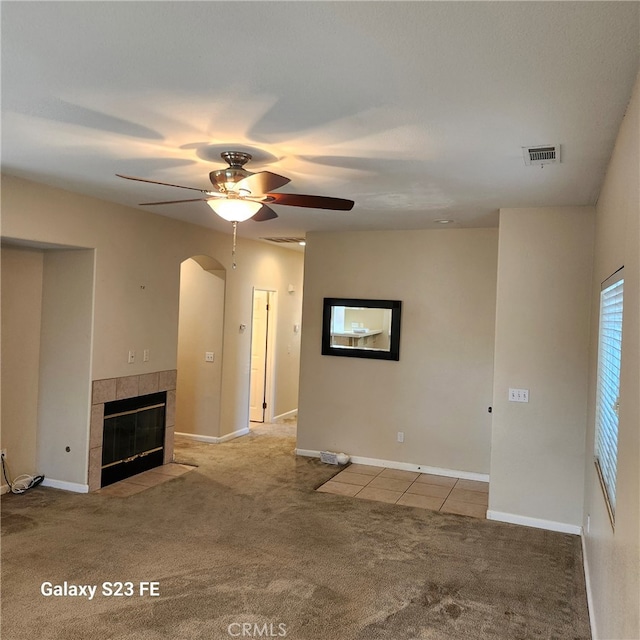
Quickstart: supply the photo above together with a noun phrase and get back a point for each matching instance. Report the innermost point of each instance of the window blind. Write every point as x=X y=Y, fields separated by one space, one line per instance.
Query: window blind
x=608 y=398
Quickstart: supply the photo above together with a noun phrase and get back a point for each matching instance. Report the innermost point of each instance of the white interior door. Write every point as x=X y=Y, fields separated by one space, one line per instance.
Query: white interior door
x=259 y=346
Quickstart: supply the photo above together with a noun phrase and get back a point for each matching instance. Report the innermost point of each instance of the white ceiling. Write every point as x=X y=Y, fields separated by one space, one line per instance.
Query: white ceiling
x=415 y=110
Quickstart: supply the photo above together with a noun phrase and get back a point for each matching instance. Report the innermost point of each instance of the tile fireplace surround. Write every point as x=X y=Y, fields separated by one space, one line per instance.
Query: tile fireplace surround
x=111 y=389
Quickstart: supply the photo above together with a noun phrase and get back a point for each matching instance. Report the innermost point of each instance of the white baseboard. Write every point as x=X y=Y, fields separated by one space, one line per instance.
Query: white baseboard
x=587 y=580
x=406 y=466
x=65 y=486
x=538 y=523
x=285 y=415
x=234 y=434
x=4 y=488
x=214 y=439
x=196 y=438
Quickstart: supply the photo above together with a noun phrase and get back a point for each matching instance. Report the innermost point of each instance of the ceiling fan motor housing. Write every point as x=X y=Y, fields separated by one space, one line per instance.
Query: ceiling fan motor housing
x=225 y=179
x=236 y=159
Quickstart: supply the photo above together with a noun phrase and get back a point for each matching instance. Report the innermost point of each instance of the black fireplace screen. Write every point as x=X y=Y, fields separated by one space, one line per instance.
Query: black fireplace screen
x=133 y=436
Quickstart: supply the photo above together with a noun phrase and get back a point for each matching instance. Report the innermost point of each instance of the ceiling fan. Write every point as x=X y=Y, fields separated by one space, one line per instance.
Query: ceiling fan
x=240 y=195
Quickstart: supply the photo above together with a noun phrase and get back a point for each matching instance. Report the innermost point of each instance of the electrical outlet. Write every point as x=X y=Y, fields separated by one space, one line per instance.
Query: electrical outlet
x=209 y=356
x=145 y=355
x=400 y=436
x=132 y=356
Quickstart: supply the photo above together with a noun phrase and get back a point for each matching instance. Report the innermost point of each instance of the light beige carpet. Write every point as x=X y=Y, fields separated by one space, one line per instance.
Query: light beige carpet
x=245 y=539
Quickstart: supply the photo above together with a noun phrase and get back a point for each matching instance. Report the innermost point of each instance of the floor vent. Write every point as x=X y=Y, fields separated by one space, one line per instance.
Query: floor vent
x=544 y=154
x=328 y=457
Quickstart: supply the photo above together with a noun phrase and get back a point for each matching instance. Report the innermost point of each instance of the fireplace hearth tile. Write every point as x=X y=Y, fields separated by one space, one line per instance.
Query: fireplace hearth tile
x=148 y=383
x=127 y=387
x=104 y=391
x=167 y=380
x=149 y=478
x=171 y=408
x=146 y=480
x=122 y=489
x=95 y=468
x=97 y=426
x=174 y=469
x=169 y=437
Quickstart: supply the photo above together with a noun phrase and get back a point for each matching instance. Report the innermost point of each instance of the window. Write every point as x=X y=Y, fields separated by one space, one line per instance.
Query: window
x=608 y=391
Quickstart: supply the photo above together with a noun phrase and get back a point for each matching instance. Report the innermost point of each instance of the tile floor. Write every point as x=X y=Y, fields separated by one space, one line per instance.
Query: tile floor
x=145 y=480
x=412 y=489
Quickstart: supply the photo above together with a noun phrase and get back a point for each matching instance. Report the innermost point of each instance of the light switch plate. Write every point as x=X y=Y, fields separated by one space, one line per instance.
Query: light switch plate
x=518 y=395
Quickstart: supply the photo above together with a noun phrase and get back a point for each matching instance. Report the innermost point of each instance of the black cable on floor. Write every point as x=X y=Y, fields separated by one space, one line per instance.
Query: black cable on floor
x=22 y=483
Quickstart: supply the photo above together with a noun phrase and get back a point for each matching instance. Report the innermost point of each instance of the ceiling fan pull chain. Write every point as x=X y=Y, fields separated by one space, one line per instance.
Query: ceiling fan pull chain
x=233 y=251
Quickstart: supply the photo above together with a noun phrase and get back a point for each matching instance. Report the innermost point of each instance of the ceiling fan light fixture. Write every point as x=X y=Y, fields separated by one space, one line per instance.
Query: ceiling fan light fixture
x=239 y=194
x=234 y=210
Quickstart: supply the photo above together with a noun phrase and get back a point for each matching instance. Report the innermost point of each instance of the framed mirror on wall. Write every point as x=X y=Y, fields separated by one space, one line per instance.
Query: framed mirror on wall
x=361 y=328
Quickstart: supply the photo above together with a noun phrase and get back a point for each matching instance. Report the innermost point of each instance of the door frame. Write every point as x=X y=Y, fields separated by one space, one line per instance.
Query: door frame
x=272 y=311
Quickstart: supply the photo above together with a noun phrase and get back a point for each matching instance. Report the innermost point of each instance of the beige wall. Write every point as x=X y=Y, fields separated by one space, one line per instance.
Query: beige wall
x=439 y=391
x=613 y=557
x=273 y=275
x=47 y=300
x=64 y=396
x=21 y=317
x=137 y=277
x=200 y=330
x=542 y=339
x=262 y=267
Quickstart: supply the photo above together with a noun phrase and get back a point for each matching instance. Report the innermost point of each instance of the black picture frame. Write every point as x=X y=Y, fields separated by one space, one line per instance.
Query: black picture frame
x=354 y=349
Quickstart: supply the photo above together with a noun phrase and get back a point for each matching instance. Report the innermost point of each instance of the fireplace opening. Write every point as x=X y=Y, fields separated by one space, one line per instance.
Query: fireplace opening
x=133 y=436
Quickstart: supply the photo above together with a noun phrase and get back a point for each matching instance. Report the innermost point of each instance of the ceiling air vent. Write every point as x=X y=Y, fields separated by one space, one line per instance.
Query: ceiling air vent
x=285 y=240
x=544 y=154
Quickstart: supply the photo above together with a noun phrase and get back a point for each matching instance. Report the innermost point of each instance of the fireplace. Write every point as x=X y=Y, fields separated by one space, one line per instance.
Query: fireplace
x=144 y=390
x=133 y=436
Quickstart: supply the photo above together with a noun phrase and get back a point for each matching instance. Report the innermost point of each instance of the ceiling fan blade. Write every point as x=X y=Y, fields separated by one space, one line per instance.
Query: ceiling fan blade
x=142 y=204
x=265 y=213
x=166 y=184
x=313 y=202
x=261 y=182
